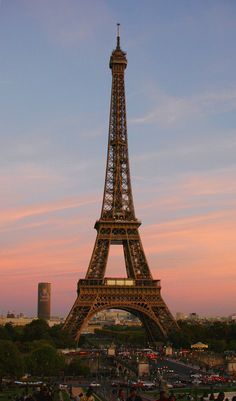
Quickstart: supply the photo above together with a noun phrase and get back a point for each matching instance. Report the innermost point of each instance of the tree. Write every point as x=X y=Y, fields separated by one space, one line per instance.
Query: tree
x=36 y=330
x=77 y=368
x=232 y=345
x=29 y=346
x=3 y=333
x=218 y=345
x=11 y=361
x=61 y=338
x=45 y=361
x=11 y=332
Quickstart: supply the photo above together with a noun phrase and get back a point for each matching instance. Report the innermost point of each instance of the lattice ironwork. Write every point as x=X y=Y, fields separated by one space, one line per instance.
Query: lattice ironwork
x=142 y=298
x=118 y=225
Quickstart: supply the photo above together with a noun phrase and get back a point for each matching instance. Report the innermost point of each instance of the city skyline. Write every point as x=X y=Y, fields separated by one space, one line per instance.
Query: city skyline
x=181 y=99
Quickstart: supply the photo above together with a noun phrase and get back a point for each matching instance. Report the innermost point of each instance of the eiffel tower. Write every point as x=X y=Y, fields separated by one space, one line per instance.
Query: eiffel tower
x=138 y=293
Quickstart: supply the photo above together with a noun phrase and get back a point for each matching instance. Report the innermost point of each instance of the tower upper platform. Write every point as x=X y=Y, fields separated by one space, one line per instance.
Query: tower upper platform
x=118 y=56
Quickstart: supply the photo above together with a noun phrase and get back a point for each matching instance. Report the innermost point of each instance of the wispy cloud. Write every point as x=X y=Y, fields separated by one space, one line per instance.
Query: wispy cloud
x=48 y=223
x=52 y=251
x=206 y=146
x=190 y=192
x=29 y=172
x=14 y=215
x=187 y=223
x=169 y=110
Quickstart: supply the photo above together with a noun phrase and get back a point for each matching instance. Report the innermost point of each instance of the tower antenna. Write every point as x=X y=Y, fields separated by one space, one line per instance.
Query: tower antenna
x=118 y=36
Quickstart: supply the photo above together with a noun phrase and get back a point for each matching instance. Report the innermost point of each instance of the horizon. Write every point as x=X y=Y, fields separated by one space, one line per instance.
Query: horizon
x=19 y=315
x=181 y=101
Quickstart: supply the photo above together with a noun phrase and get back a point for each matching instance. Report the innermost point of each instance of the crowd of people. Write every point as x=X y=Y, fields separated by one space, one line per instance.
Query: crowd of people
x=133 y=396
x=50 y=393
x=163 y=396
x=43 y=393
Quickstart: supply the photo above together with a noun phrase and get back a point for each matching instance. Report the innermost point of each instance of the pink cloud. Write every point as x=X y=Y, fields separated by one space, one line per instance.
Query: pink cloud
x=192 y=254
x=13 y=215
x=192 y=192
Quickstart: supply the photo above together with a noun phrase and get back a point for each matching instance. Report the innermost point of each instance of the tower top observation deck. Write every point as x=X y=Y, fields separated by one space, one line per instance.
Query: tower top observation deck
x=118 y=56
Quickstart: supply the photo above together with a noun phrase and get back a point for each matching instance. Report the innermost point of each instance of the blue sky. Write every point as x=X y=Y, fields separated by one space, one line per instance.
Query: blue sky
x=54 y=108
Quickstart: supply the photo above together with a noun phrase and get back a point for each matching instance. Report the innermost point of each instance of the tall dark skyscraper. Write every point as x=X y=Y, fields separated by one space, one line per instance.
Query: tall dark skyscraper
x=44 y=301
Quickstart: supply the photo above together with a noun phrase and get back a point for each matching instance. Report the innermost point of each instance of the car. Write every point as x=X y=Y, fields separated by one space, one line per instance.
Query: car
x=179 y=384
x=63 y=386
x=94 y=384
x=148 y=385
x=196 y=382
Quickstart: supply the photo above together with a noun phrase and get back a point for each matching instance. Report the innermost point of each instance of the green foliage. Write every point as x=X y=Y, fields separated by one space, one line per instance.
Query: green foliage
x=232 y=345
x=36 y=333
x=60 y=338
x=29 y=346
x=36 y=330
x=36 y=344
x=218 y=345
x=220 y=336
x=39 y=330
x=9 y=332
x=3 y=333
x=124 y=335
x=45 y=361
x=181 y=339
x=77 y=368
x=11 y=361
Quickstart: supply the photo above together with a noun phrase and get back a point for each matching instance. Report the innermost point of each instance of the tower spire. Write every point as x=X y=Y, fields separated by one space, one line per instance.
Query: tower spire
x=118 y=36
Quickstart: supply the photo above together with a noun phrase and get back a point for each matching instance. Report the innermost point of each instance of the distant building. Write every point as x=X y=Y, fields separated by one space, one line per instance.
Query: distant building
x=181 y=316
x=111 y=350
x=15 y=321
x=231 y=365
x=10 y=315
x=143 y=369
x=193 y=316
x=168 y=350
x=232 y=317
x=44 y=301
x=22 y=321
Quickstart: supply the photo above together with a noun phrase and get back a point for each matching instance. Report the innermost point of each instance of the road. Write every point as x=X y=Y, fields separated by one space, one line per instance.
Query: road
x=179 y=368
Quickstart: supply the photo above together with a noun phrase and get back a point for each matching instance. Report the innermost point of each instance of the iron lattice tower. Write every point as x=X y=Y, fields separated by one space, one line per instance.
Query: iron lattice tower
x=138 y=293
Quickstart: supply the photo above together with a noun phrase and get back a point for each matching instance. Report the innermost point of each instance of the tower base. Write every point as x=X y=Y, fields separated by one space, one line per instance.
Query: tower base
x=139 y=297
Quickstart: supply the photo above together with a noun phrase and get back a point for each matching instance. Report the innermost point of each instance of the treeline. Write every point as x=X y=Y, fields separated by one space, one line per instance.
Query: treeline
x=123 y=335
x=33 y=349
x=25 y=336
x=220 y=336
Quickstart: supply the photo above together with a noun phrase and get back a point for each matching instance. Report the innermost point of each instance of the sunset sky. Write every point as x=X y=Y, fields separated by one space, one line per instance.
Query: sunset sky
x=55 y=88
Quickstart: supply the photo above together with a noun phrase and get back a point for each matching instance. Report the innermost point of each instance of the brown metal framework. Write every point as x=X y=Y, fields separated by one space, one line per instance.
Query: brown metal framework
x=139 y=293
